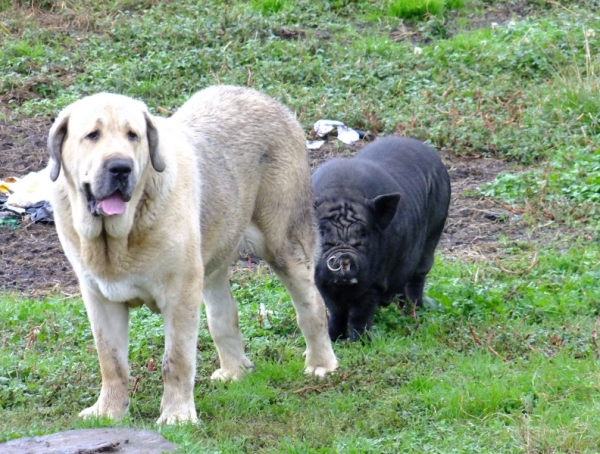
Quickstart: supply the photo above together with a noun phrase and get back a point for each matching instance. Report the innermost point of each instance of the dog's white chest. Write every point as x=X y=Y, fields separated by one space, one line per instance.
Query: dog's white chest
x=127 y=289
x=123 y=291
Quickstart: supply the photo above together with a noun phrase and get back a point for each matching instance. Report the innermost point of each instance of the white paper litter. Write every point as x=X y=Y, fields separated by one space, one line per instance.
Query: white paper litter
x=262 y=310
x=324 y=127
x=347 y=135
x=29 y=190
x=314 y=144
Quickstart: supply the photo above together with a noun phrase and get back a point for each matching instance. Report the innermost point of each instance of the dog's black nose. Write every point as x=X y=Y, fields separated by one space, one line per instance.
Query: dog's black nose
x=120 y=168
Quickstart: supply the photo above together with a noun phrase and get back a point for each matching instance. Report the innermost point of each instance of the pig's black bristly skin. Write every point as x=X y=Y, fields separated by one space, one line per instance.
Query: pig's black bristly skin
x=380 y=217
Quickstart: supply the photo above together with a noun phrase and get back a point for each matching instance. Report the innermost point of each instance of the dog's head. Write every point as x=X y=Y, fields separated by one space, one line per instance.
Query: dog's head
x=103 y=144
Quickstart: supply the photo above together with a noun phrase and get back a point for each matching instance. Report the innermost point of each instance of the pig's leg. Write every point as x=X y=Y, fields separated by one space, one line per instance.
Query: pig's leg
x=414 y=290
x=361 y=318
x=338 y=321
x=416 y=283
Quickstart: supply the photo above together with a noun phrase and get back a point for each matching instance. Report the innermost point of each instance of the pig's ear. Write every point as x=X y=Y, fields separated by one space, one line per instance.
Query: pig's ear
x=384 y=209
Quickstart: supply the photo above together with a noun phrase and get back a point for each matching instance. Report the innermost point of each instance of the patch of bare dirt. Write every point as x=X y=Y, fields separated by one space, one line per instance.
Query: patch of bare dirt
x=32 y=261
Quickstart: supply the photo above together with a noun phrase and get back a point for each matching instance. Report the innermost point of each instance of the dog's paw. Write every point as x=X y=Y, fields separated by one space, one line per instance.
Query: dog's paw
x=319 y=371
x=94 y=412
x=91 y=412
x=183 y=416
x=233 y=373
x=321 y=363
x=321 y=367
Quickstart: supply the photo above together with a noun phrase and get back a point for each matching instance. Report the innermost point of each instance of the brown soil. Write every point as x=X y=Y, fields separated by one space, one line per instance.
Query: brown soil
x=34 y=264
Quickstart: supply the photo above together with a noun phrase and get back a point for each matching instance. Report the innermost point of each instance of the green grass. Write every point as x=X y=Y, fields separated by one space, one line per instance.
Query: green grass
x=472 y=91
x=523 y=91
x=411 y=9
x=566 y=188
x=503 y=365
x=507 y=363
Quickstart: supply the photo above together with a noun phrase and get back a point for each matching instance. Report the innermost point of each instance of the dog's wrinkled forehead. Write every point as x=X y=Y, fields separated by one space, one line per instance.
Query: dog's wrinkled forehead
x=106 y=110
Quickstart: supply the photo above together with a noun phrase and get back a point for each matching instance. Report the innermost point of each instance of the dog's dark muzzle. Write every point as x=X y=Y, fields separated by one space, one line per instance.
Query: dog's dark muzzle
x=116 y=175
x=119 y=169
x=113 y=188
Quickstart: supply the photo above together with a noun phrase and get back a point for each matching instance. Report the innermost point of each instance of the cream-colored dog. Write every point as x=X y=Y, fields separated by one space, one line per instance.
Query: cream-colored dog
x=152 y=211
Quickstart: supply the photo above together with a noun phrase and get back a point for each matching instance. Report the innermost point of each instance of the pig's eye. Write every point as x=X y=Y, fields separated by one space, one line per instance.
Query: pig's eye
x=361 y=233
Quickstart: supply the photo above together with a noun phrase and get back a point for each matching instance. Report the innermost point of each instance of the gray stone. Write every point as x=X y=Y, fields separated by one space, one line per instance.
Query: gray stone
x=91 y=441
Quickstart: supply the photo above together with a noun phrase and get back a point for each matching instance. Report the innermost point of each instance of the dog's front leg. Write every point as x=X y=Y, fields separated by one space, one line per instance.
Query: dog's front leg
x=109 y=323
x=181 y=319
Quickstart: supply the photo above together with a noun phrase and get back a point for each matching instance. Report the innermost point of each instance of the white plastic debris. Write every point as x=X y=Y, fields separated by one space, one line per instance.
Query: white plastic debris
x=29 y=190
x=324 y=127
x=314 y=144
x=263 y=311
x=347 y=135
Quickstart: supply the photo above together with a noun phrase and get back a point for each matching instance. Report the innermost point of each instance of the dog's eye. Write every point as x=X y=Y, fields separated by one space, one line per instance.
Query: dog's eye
x=132 y=136
x=93 y=136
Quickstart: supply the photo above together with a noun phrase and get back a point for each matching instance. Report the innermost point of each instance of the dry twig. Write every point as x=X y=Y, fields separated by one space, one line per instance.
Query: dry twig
x=473 y=335
x=490 y=348
x=526 y=270
x=6 y=30
x=316 y=389
x=595 y=339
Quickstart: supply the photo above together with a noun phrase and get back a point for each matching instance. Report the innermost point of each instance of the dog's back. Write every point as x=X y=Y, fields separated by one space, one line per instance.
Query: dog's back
x=263 y=175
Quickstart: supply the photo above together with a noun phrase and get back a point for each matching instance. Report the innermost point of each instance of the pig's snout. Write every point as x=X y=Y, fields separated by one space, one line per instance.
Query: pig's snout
x=344 y=266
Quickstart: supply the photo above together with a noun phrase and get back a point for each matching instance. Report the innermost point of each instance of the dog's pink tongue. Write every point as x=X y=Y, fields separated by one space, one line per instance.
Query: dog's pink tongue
x=113 y=204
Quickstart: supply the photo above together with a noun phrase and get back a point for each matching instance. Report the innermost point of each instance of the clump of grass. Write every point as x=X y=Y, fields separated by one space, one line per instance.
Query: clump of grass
x=268 y=7
x=565 y=189
x=419 y=9
x=575 y=89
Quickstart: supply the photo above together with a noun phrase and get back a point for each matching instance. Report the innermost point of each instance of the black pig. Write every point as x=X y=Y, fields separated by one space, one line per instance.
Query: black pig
x=380 y=217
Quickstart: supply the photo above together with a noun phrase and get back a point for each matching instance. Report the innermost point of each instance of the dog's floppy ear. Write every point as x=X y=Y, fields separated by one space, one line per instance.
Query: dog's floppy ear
x=152 y=133
x=56 y=137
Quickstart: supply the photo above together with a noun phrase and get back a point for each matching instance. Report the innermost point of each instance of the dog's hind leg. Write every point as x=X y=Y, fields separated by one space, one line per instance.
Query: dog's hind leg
x=222 y=315
x=292 y=260
x=287 y=241
x=298 y=278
